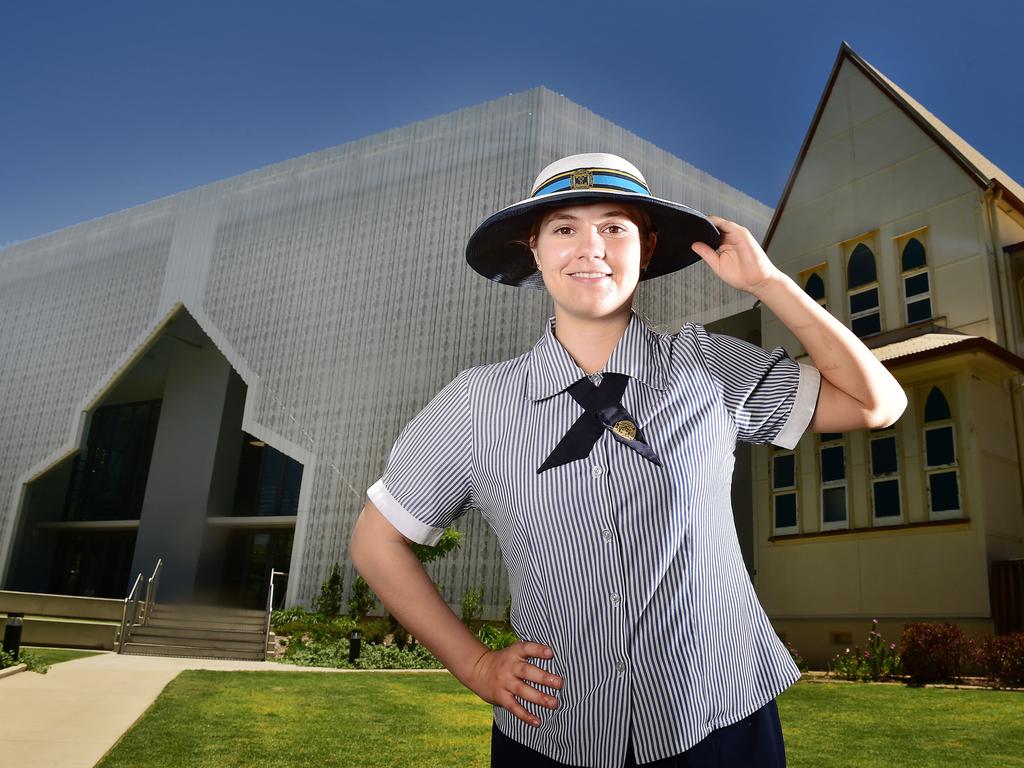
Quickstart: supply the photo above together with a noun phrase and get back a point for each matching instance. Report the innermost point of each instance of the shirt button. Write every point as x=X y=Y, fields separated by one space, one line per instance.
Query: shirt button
x=615 y=599
x=597 y=471
x=620 y=667
x=607 y=533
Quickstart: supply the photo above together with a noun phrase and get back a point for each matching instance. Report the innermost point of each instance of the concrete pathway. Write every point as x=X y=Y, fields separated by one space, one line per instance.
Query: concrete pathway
x=71 y=716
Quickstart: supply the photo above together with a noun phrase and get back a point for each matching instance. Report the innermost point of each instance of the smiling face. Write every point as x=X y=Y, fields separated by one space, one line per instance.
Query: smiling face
x=590 y=256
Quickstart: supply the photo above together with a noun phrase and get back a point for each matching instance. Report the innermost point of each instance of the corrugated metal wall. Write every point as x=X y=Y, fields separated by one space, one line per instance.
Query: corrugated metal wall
x=336 y=285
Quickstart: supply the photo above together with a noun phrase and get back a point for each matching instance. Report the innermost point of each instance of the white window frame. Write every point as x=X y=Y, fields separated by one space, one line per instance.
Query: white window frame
x=901 y=242
x=784 y=491
x=848 y=248
x=889 y=434
x=834 y=525
x=938 y=469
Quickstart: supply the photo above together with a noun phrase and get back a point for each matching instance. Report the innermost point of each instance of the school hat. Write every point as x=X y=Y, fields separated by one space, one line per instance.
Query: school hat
x=497 y=248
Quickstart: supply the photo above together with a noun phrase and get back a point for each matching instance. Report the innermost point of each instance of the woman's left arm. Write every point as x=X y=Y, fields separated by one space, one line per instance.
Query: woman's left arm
x=857 y=392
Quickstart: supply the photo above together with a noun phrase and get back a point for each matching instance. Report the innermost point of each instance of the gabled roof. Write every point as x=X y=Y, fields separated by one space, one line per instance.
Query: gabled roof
x=976 y=165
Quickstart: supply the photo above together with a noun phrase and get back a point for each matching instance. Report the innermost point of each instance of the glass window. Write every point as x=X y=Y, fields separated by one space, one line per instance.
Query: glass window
x=784 y=474
x=784 y=506
x=916 y=284
x=815 y=287
x=887 y=498
x=832 y=467
x=944 y=491
x=885 y=483
x=939 y=449
x=936 y=408
x=913 y=254
x=785 y=510
x=861 y=268
x=943 y=475
x=862 y=290
x=883 y=455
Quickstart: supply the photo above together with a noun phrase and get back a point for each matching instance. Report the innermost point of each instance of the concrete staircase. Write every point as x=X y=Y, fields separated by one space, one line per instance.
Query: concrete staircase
x=200 y=632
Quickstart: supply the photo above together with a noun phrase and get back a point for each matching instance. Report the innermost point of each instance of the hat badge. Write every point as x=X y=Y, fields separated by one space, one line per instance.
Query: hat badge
x=581 y=178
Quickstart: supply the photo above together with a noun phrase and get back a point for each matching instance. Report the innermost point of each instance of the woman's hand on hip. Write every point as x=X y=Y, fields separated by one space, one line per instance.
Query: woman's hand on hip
x=499 y=677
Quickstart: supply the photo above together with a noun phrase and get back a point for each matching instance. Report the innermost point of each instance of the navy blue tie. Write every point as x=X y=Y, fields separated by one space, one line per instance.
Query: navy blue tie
x=603 y=410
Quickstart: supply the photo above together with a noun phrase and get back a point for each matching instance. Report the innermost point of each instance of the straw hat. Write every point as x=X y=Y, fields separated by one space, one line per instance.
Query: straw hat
x=497 y=248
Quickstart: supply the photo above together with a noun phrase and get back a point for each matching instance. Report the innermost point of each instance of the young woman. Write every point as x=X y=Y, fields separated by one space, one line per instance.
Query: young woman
x=602 y=459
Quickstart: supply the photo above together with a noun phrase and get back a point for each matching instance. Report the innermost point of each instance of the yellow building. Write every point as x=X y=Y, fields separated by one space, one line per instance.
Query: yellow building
x=915 y=241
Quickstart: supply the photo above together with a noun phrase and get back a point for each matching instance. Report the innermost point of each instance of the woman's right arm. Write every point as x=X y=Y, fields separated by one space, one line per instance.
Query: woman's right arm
x=382 y=556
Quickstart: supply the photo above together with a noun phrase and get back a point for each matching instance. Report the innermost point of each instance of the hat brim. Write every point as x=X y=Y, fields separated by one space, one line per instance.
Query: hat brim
x=497 y=248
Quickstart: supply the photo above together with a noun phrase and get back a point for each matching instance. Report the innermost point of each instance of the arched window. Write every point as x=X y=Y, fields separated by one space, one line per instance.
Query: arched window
x=815 y=288
x=916 y=285
x=862 y=291
x=832 y=471
x=783 y=481
x=941 y=467
x=885 y=476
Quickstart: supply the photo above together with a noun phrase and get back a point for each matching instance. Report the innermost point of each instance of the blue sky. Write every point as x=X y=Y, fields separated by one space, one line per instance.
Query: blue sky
x=107 y=105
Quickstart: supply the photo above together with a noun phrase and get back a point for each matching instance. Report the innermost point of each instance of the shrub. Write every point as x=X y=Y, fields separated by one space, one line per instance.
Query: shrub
x=375 y=630
x=472 y=604
x=26 y=657
x=393 y=657
x=797 y=658
x=496 y=636
x=933 y=653
x=362 y=600
x=329 y=602
x=1003 y=657
x=878 y=661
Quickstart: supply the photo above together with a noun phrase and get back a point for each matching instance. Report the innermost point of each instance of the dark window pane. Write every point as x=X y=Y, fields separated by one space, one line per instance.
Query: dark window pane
x=861 y=269
x=887 y=498
x=939 y=447
x=815 y=286
x=783 y=476
x=865 y=326
x=863 y=301
x=833 y=504
x=919 y=310
x=883 y=456
x=913 y=254
x=916 y=284
x=945 y=491
x=832 y=466
x=936 y=408
x=785 y=510
x=826 y=436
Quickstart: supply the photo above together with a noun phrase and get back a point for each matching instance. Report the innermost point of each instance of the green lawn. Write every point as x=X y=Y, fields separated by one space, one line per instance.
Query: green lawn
x=57 y=655
x=209 y=719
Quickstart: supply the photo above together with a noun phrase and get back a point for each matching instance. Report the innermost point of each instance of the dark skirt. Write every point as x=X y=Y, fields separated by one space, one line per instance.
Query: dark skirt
x=753 y=742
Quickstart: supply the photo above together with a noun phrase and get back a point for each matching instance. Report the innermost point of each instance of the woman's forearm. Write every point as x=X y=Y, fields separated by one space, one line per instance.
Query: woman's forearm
x=836 y=351
x=398 y=579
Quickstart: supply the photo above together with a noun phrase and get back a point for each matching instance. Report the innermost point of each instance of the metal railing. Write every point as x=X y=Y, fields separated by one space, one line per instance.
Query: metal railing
x=270 y=605
x=136 y=612
x=133 y=601
x=151 y=587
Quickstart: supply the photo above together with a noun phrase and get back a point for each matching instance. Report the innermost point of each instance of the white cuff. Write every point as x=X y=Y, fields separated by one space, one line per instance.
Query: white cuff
x=804 y=404
x=399 y=517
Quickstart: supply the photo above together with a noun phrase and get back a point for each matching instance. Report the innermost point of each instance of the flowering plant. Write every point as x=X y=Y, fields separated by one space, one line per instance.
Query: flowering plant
x=878 y=661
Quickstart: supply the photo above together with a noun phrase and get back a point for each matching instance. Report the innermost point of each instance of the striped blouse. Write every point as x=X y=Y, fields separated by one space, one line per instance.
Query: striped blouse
x=630 y=571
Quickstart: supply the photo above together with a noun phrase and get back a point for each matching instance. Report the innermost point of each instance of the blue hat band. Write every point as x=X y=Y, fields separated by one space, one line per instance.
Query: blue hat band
x=599 y=179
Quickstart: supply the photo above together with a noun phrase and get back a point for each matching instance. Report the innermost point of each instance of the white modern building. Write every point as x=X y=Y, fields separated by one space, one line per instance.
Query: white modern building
x=216 y=377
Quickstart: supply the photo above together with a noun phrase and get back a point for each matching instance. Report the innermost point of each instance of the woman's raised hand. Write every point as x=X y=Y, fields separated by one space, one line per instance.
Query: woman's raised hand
x=498 y=677
x=739 y=261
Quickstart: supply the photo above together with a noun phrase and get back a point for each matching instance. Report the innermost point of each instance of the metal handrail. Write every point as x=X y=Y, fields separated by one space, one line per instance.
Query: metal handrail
x=151 y=587
x=270 y=604
x=134 y=600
